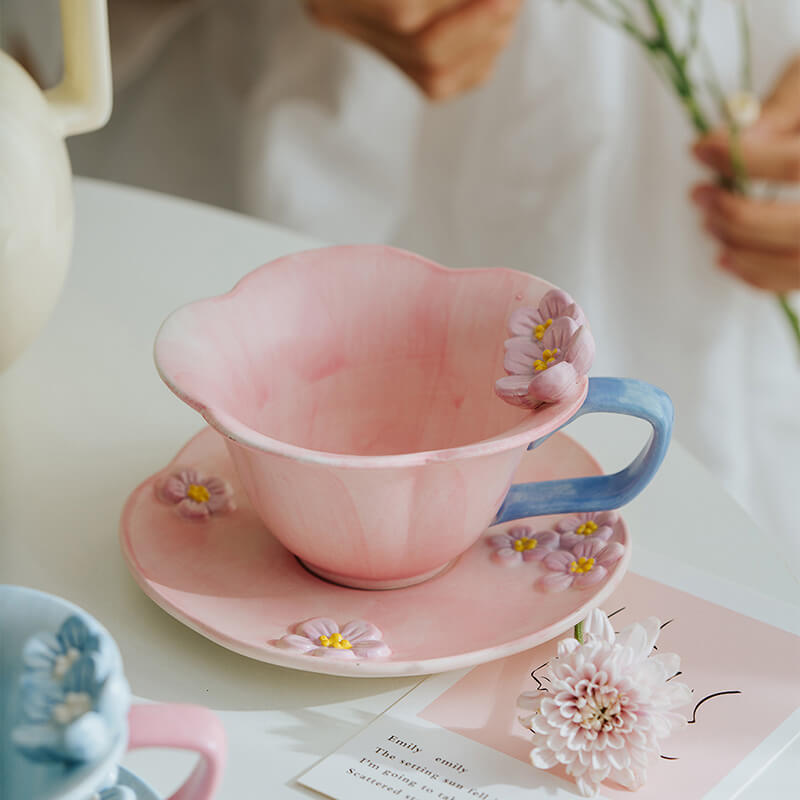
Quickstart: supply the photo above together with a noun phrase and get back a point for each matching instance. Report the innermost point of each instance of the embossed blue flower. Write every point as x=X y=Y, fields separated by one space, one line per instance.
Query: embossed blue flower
x=51 y=655
x=77 y=719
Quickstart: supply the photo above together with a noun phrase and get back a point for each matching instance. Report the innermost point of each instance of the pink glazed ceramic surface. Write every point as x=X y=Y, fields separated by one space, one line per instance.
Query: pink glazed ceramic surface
x=231 y=580
x=355 y=388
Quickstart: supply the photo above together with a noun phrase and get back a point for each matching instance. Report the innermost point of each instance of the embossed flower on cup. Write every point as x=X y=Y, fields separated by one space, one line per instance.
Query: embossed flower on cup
x=52 y=655
x=353 y=387
x=74 y=695
x=322 y=637
x=546 y=370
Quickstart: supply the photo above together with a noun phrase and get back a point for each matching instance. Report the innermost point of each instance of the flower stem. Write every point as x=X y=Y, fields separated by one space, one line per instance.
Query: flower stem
x=579 y=632
x=791 y=316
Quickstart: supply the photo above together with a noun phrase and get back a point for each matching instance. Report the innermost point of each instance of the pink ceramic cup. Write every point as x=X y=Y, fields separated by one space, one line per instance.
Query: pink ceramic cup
x=355 y=388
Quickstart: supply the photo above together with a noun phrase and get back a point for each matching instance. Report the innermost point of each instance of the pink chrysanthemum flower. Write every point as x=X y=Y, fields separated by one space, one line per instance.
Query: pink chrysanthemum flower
x=585 y=565
x=520 y=543
x=609 y=706
x=594 y=526
x=195 y=496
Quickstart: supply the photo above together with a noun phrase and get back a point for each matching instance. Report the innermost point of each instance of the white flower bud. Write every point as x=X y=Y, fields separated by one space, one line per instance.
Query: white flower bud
x=744 y=108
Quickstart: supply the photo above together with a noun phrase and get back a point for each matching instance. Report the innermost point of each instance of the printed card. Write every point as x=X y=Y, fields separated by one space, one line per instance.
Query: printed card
x=456 y=736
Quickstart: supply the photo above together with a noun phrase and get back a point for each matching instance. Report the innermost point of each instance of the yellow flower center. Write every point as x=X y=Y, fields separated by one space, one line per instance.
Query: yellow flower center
x=335 y=640
x=538 y=331
x=582 y=565
x=548 y=357
x=525 y=544
x=587 y=529
x=198 y=493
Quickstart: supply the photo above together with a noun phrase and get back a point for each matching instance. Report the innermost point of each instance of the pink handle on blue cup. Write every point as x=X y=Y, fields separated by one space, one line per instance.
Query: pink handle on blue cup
x=183 y=727
x=600 y=492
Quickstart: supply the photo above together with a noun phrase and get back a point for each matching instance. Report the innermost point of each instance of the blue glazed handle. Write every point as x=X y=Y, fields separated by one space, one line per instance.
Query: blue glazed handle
x=600 y=492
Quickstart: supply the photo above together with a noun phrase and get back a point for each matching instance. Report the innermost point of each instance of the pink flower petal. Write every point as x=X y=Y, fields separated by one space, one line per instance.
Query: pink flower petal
x=520 y=532
x=557 y=303
x=220 y=495
x=553 y=384
x=560 y=334
x=523 y=320
x=319 y=626
x=520 y=355
x=292 y=641
x=569 y=523
x=606 y=517
x=555 y=582
x=193 y=510
x=171 y=489
x=543 y=758
x=333 y=653
x=610 y=554
x=500 y=540
x=590 y=578
x=507 y=556
x=547 y=539
x=374 y=649
x=580 y=351
x=558 y=560
x=358 y=630
x=514 y=389
x=588 y=548
x=537 y=554
x=598 y=625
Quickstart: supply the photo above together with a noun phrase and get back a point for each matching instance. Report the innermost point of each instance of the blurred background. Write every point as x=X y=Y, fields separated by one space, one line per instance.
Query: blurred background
x=543 y=142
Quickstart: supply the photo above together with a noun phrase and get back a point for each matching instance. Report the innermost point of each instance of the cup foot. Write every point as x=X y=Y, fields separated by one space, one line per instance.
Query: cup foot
x=375 y=585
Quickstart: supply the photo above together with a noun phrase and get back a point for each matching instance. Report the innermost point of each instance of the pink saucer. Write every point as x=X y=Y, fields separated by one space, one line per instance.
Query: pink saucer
x=230 y=580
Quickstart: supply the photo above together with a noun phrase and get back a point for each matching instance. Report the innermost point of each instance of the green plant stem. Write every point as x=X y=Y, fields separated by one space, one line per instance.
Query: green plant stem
x=579 y=632
x=791 y=315
x=744 y=38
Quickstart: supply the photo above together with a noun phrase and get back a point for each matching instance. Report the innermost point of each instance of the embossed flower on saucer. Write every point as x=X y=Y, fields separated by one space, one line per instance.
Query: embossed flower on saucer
x=585 y=565
x=322 y=637
x=594 y=526
x=195 y=496
x=520 y=543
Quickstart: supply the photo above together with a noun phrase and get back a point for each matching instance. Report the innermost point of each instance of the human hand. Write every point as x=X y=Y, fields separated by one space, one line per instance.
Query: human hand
x=445 y=46
x=760 y=238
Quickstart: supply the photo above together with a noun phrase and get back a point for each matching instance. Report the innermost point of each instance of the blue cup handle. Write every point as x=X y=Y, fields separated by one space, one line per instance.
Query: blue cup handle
x=600 y=492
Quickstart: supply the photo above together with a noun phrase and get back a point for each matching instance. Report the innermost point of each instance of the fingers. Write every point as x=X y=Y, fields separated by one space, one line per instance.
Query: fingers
x=776 y=273
x=775 y=158
x=748 y=222
x=781 y=110
x=455 y=51
x=399 y=16
x=760 y=239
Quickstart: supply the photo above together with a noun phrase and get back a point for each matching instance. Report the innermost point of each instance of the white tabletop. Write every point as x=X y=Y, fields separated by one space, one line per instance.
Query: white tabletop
x=84 y=418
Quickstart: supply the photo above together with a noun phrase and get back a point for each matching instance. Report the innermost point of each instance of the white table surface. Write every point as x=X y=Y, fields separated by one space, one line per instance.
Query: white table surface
x=84 y=418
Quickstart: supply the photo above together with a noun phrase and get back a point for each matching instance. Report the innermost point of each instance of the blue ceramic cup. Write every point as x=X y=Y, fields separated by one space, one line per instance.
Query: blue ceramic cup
x=65 y=716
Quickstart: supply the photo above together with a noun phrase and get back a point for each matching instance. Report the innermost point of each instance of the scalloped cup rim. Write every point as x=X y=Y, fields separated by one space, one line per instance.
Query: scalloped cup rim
x=528 y=430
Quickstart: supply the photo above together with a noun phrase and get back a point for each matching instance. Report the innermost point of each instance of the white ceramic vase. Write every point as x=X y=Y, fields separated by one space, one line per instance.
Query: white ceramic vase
x=36 y=206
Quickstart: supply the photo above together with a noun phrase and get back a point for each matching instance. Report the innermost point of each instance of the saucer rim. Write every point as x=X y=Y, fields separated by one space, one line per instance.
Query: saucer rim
x=270 y=654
